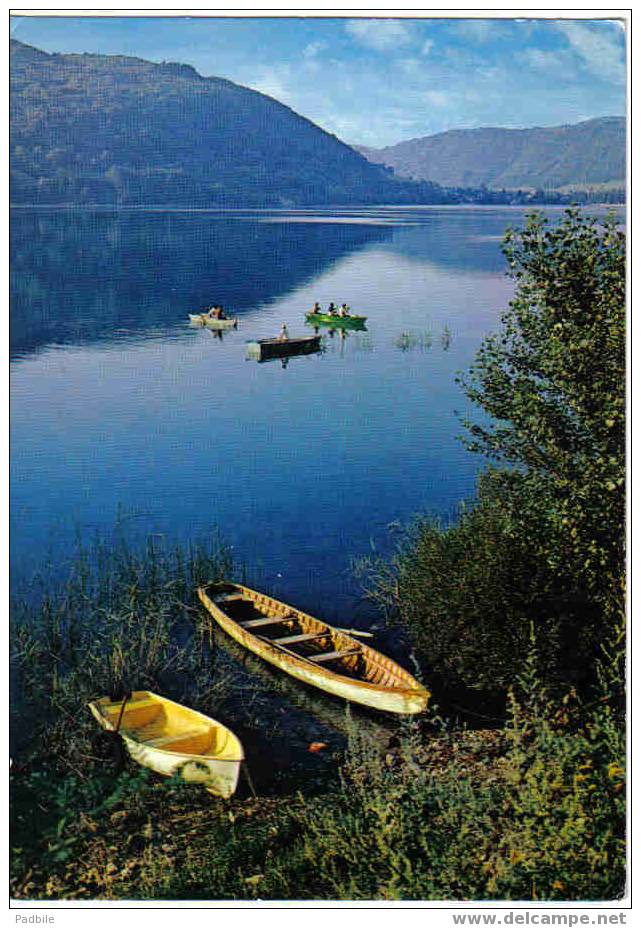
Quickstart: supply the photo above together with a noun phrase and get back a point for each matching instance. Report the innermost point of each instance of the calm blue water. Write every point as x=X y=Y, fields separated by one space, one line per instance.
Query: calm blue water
x=118 y=404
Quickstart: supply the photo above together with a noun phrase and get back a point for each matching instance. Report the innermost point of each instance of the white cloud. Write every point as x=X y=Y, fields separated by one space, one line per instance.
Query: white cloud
x=552 y=63
x=380 y=34
x=312 y=50
x=600 y=49
x=436 y=98
x=477 y=30
x=413 y=67
x=273 y=82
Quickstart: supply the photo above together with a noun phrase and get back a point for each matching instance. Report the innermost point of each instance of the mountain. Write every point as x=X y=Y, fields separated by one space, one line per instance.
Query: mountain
x=95 y=129
x=588 y=153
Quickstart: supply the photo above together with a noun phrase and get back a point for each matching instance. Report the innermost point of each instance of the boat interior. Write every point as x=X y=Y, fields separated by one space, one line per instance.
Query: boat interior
x=158 y=725
x=301 y=636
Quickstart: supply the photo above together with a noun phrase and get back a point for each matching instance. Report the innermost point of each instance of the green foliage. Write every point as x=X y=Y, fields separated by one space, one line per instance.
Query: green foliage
x=122 y=621
x=543 y=542
x=469 y=591
x=543 y=821
x=553 y=381
x=535 y=812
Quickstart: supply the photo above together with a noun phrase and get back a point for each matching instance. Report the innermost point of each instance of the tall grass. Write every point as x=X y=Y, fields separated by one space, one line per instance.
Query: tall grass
x=121 y=620
x=534 y=811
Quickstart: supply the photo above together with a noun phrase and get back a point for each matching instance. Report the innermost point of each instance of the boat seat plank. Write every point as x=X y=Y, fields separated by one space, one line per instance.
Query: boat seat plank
x=272 y=620
x=228 y=597
x=177 y=736
x=333 y=655
x=306 y=636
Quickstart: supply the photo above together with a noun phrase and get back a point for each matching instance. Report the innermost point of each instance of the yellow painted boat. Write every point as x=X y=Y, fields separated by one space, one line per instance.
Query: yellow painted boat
x=170 y=738
x=312 y=650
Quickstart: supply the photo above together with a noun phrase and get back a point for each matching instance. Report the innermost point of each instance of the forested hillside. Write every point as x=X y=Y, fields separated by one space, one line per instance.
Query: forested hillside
x=118 y=130
x=579 y=156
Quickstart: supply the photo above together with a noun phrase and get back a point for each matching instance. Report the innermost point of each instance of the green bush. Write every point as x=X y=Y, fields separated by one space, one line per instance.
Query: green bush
x=543 y=542
x=123 y=620
x=543 y=820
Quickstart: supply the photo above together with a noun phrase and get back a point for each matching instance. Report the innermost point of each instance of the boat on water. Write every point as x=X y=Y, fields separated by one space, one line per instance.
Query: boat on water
x=339 y=322
x=211 y=323
x=170 y=738
x=267 y=348
x=311 y=650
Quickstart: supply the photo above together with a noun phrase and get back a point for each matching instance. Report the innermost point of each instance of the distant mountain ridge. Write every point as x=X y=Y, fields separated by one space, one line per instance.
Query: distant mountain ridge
x=93 y=129
x=587 y=153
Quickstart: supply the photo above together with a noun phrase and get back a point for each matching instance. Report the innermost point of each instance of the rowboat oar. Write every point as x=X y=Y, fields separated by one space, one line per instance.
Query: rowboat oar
x=107 y=742
x=354 y=631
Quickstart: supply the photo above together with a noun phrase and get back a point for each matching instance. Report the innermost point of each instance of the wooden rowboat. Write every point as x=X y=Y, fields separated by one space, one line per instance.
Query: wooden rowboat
x=204 y=319
x=170 y=738
x=312 y=650
x=339 y=322
x=267 y=348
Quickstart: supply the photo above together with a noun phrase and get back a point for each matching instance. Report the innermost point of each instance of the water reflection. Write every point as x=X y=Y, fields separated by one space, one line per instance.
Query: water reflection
x=300 y=468
x=279 y=719
x=79 y=277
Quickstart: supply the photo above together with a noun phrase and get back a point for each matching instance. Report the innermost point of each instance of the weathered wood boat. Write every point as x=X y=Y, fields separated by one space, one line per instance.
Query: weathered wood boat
x=339 y=322
x=170 y=738
x=311 y=650
x=267 y=348
x=204 y=319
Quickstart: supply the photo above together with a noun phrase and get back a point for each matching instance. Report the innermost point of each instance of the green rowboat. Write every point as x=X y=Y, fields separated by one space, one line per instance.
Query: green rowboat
x=339 y=322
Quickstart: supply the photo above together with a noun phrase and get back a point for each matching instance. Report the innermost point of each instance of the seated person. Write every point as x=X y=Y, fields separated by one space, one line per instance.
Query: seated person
x=284 y=334
x=331 y=309
x=344 y=310
x=316 y=309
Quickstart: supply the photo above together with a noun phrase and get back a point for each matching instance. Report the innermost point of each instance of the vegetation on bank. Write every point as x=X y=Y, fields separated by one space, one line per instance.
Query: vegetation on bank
x=524 y=594
x=543 y=543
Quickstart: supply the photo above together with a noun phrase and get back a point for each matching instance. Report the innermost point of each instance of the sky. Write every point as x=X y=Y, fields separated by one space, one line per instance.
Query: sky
x=379 y=81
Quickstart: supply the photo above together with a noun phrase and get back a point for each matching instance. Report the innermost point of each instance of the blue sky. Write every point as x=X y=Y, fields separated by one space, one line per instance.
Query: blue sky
x=379 y=81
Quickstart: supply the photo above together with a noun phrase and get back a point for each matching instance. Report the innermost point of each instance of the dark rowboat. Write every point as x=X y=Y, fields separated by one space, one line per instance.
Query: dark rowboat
x=267 y=348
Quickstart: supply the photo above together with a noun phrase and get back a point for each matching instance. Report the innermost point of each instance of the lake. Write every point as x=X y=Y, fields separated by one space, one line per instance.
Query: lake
x=121 y=409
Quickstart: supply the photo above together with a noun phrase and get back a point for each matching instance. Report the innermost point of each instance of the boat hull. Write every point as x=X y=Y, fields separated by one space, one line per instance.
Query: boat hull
x=217 y=770
x=337 y=322
x=405 y=697
x=201 y=319
x=266 y=349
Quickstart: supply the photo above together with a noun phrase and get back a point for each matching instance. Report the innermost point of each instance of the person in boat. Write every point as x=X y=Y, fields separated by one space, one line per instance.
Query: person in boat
x=284 y=334
x=316 y=309
x=331 y=309
x=344 y=310
x=214 y=312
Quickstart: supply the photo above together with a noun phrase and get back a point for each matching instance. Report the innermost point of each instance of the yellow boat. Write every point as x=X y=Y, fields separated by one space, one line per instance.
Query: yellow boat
x=312 y=650
x=170 y=738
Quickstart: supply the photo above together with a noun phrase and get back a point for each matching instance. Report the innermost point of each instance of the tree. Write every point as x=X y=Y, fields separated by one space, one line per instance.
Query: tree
x=542 y=546
x=552 y=381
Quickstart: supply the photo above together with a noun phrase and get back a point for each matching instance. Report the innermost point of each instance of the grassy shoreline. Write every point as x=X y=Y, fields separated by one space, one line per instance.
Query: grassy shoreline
x=418 y=811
